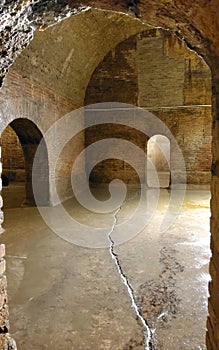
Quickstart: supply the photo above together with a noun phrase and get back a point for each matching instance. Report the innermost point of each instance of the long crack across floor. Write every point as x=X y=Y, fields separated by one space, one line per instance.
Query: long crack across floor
x=148 y=332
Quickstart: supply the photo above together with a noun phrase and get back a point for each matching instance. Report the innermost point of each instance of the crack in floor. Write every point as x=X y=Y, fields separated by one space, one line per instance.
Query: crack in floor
x=148 y=332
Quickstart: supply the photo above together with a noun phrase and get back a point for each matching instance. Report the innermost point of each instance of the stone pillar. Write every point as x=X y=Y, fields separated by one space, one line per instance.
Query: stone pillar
x=212 y=338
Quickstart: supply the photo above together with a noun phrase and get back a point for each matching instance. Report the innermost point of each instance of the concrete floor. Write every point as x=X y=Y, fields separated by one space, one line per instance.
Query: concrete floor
x=63 y=296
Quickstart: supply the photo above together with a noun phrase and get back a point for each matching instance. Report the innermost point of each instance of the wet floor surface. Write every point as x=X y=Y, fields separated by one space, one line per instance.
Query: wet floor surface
x=64 y=296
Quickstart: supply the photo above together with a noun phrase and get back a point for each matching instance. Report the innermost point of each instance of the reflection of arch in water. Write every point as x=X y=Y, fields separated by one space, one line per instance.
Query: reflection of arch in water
x=158 y=158
x=30 y=136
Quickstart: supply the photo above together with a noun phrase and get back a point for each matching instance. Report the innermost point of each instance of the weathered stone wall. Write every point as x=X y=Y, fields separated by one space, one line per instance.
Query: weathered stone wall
x=12 y=156
x=157 y=72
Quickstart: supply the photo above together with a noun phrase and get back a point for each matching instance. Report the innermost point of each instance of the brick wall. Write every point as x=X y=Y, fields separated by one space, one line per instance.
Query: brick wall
x=111 y=169
x=24 y=98
x=12 y=156
x=157 y=72
x=115 y=79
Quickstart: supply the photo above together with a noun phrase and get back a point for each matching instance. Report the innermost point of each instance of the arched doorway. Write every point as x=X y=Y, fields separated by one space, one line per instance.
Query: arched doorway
x=13 y=169
x=158 y=160
x=20 y=141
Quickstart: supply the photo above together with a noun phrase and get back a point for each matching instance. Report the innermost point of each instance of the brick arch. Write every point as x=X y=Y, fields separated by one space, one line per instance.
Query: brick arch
x=30 y=137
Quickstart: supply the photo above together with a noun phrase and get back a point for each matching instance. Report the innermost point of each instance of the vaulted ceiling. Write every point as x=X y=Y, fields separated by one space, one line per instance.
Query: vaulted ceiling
x=195 y=21
x=64 y=56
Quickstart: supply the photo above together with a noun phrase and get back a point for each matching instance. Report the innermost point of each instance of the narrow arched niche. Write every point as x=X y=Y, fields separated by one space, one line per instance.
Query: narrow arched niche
x=158 y=161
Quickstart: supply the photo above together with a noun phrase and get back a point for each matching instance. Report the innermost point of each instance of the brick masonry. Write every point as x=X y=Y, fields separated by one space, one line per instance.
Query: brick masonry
x=157 y=72
x=26 y=106
x=13 y=162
